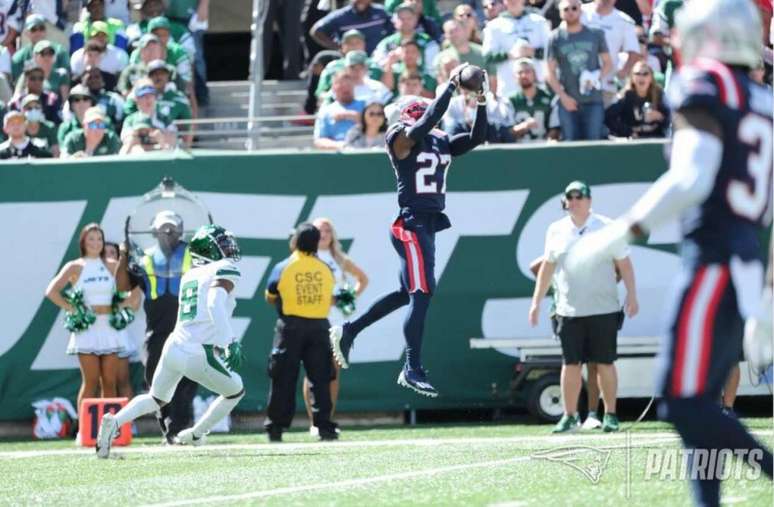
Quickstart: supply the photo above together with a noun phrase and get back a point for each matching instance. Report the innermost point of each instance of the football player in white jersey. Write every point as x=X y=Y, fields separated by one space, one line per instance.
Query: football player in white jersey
x=202 y=347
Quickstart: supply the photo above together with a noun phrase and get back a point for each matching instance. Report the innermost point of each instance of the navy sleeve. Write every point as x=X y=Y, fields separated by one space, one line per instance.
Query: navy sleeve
x=694 y=88
x=329 y=25
x=433 y=115
x=463 y=143
x=274 y=278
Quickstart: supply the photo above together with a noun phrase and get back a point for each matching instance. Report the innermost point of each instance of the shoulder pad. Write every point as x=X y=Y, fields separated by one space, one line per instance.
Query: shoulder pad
x=694 y=87
x=227 y=270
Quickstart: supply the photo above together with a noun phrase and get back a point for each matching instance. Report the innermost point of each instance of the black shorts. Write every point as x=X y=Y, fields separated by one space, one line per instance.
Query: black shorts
x=588 y=339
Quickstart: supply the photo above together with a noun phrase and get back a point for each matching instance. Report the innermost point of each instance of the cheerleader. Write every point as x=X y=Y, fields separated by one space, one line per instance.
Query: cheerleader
x=329 y=251
x=97 y=346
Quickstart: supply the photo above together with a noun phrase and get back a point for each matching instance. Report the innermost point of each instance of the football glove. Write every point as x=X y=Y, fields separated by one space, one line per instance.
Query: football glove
x=234 y=356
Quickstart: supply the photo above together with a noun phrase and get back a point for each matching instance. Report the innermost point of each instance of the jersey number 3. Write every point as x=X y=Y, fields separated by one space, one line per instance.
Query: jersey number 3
x=188 y=300
x=427 y=179
x=754 y=131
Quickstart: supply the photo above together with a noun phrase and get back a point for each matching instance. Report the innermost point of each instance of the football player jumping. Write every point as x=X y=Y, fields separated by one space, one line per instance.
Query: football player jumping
x=420 y=154
x=202 y=347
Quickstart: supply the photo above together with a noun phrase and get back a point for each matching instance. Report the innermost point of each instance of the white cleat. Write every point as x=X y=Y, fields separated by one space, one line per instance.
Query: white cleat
x=335 y=333
x=187 y=437
x=591 y=423
x=107 y=432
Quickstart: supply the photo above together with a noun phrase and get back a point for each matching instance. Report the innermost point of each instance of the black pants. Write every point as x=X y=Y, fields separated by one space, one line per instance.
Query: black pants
x=177 y=415
x=299 y=340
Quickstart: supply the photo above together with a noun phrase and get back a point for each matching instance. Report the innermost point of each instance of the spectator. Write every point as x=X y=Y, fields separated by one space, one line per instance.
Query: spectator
x=492 y=9
x=114 y=29
x=42 y=131
x=99 y=53
x=287 y=15
x=405 y=61
x=6 y=81
x=78 y=102
x=427 y=10
x=151 y=18
x=531 y=108
x=367 y=90
x=429 y=25
x=461 y=114
x=11 y=22
x=465 y=15
x=194 y=14
x=170 y=103
x=641 y=111
x=369 y=132
x=141 y=136
x=56 y=23
x=93 y=140
x=548 y=9
x=144 y=95
x=57 y=79
x=459 y=48
x=515 y=33
x=32 y=82
x=314 y=74
x=372 y=20
x=405 y=22
x=149 y=47
x=111 y=103
x=620 y=37
x=35 y=31
x=353 y=40
x=576 y=51
x=335 y=119
x=587 y=314
x=18 y=144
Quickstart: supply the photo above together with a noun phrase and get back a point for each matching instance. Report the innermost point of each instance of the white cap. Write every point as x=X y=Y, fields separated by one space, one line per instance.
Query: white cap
x=167 y=217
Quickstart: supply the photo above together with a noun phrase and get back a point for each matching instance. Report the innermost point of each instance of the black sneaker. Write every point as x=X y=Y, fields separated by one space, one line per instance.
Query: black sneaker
x=417 y=381
x=330 y=434
x=275 y=434
x=341 y=343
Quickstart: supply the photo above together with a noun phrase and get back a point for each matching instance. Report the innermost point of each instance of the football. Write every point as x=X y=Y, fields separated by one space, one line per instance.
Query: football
x=471 y=78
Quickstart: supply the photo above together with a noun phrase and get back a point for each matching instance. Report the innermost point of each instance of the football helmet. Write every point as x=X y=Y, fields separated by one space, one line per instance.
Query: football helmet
x=412 y=112
x=213 y=243
x=726 y=30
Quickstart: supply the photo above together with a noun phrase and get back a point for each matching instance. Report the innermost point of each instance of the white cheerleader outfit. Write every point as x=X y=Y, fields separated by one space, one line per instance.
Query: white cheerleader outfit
x=98 y=285
x=335 y=316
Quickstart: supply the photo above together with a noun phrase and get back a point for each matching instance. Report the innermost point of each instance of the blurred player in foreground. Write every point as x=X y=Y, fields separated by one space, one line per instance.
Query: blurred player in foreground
x=203 y=346
x=420 y=154
x=719 y=184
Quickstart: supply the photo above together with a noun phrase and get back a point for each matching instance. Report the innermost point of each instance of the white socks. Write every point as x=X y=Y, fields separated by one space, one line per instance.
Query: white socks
x=139 y=406
x=219 y=409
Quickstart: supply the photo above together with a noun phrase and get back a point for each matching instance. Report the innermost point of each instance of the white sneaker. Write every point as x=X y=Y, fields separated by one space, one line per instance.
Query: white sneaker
x=314 y=431
x=592 y=422
x=107 y=432
x=187 y=437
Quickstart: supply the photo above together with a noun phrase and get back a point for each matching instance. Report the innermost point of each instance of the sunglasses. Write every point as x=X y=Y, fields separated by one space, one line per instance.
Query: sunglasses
x=570 y=8
x=642 y=73
x=465 y=15
x=38 y=28
x=96 y=125
x=574 y=196
x=375 y=113
x=34 y=78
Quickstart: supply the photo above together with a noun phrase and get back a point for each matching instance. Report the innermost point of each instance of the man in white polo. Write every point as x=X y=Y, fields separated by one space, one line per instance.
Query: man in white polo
x=587 y=308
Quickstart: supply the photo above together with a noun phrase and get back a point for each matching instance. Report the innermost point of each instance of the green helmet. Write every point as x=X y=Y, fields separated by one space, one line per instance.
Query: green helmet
x=213 y=243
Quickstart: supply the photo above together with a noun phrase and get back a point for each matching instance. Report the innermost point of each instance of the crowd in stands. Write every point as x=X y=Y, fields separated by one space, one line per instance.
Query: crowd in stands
x=83 y=78
x=559 y=70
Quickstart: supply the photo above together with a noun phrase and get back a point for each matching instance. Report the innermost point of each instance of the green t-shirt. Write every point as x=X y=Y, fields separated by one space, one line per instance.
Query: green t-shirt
x=428 y=82
x=333 y=68
x=538 y=108
x=46 y=134
x=181 y=10
x=474 y=57
x=177 y=57
x=76 y=141
x=23 y=55
x=171 y=106
x=178 y=31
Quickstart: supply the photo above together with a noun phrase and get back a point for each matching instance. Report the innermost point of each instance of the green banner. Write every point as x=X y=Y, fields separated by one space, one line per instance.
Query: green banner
x=500 y=201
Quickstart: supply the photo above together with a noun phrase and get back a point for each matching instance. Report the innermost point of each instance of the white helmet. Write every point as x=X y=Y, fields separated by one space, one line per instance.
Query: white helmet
x=726 y=30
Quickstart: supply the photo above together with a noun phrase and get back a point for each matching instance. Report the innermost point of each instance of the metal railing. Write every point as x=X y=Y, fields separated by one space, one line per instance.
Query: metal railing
x=236 y=132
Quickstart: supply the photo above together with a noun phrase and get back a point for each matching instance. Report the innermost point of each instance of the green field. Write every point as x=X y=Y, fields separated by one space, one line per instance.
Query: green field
x=470 y=464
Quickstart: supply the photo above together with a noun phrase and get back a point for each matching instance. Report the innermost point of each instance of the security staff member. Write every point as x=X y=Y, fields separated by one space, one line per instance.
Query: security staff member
x=301 y=288
x=163 y=265
x=587 y=307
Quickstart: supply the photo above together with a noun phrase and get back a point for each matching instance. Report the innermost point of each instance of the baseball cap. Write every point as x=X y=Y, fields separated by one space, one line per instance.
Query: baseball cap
x=356 y=58
x=99 y=27
x=93 y=113
x=524 y=61
x=80 y=91
x=405 y=6
x=167 y=217
x=11 y=115
x=144 y=90
x=155 y=65
x=147 y=39
x=34 y=20
x=158 y=22
x=578 y=186
x=31 y=97
x=352 y=33
x=41 y=46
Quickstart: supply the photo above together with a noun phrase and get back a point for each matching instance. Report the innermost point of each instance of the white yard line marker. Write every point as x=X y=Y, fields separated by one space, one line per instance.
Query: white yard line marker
x=290 y=490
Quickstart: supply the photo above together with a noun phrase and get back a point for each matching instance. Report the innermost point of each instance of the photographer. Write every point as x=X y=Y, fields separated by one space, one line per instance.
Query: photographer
x=588 y=313
x=141 y=136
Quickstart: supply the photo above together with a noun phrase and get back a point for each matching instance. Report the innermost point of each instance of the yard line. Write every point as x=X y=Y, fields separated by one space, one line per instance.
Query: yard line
x=365 y=481
x=423 y=442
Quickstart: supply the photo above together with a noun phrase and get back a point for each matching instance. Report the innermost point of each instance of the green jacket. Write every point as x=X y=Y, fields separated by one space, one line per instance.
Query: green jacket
x=76 y=141
x=23 y=55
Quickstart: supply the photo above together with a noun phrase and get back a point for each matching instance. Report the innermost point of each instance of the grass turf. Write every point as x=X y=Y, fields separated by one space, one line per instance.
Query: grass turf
x=472 y=464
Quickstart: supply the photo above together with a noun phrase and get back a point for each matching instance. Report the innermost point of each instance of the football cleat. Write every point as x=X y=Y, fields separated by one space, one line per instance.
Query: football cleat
x=341 y=343
x=417 y=381
x=107 y=432
x=187 y=437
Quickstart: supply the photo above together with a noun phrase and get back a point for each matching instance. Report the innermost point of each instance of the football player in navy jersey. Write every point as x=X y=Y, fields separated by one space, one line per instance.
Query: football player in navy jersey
x=420 y=154
x=719 y=185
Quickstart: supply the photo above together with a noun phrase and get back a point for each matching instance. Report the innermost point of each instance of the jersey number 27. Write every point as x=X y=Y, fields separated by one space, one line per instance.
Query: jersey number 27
x=430 y=164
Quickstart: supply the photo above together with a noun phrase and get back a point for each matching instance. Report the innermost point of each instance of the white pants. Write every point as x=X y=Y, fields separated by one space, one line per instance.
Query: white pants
x=197 y=362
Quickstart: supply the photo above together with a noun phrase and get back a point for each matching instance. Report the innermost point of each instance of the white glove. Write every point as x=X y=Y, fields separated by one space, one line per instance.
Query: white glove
x=758 y=338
